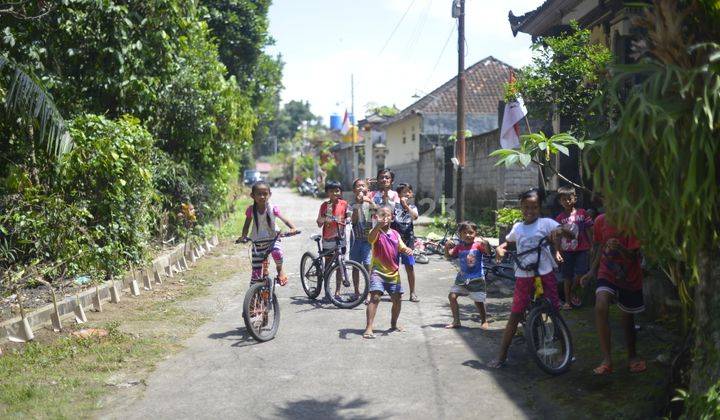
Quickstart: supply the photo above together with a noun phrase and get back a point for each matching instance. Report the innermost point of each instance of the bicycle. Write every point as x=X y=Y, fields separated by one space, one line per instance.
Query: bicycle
x=261 y=310
x=438 y=247
x=315 y=273
x=504 y=269
x=546 y=333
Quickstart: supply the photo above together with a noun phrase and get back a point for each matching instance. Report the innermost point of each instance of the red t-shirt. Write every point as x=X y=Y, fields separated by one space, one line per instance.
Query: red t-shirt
x=580 y=222
x=330 y=230
x=622 y=272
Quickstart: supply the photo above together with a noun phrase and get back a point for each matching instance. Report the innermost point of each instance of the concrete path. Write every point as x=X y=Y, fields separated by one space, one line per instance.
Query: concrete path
x=319 y=366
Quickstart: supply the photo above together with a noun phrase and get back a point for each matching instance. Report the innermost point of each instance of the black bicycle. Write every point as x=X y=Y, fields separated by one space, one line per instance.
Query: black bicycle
x=315 y=273
x=548 y=337
x=261 y=310
x=503 y=269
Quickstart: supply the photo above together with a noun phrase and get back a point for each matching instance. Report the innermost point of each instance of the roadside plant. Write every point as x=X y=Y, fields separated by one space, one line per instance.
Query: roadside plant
x=507 y=216
x=541 y=150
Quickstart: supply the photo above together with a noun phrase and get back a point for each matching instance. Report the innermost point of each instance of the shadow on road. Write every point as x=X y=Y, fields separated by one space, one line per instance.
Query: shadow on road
x=330 y=408
x=239 y=336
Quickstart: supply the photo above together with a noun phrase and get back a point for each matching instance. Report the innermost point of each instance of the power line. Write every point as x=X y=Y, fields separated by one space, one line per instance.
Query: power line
x=396 y=27
x=417 y=32
x=447 y=41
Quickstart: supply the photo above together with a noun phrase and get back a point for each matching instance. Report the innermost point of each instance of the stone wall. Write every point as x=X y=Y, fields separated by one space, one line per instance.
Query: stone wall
x=486 y=185
x=406 y=172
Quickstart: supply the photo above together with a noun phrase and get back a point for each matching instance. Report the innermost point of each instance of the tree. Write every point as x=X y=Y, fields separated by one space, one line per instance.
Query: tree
x=565 y=76
x=291 y=116
x=659 y=168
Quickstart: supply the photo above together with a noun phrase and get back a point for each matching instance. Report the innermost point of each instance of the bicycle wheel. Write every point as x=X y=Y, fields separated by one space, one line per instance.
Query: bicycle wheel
x=548 y=339
x=261 y=312
x=341 y=289
x=310 y=275
x=421 y=258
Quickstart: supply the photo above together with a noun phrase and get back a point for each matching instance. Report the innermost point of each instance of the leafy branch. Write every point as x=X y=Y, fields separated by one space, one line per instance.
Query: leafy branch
x=537 y=148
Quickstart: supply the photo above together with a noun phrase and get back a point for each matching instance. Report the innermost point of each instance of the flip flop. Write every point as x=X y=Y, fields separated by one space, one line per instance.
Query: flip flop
x=637 y=366
x=576 y=301
x=602 y=370
x=369 y=336
x=282 y=280
x=397 y=328
x=496 y=364
x=452 y=326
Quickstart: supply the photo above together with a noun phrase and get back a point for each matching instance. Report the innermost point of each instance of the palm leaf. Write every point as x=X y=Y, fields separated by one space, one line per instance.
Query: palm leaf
x=26 y=96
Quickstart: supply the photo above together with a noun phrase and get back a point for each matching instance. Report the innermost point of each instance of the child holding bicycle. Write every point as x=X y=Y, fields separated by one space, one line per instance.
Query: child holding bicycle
x=470 y=281
x=574 y=252
x=527 y=236
x=332 y=218
x=405 y=214
x=619 y=279
x=261 y=214
x=385 y=275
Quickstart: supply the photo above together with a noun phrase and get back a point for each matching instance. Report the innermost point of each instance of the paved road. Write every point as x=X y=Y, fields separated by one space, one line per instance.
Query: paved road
x=319 y=366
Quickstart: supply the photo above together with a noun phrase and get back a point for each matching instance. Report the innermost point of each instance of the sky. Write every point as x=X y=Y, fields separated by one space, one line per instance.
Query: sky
x=393 y=48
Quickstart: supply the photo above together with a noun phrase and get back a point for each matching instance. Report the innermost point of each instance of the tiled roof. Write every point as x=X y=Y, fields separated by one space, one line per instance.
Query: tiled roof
x=484 y=87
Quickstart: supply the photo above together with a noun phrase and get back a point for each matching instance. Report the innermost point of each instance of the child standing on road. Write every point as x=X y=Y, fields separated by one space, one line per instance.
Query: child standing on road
x=470 y=281
x=361 y=224
x=385 y=196
x=574 y=252
x=619 y=279
x=527 y=236
x=405 y=214
x=261 y=214
x=385 y=276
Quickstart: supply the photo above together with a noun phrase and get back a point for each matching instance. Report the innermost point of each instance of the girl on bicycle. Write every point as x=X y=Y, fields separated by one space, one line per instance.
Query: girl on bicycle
x=261 y=214
x=527 y=235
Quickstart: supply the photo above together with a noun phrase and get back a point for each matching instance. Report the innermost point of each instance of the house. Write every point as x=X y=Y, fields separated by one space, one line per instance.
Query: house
x=609 y=22
x=373 y=143
x=431 y=120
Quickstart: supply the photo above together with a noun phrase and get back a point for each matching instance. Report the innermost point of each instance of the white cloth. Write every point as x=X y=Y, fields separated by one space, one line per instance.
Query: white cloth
x=528 y=237
x=514 y=113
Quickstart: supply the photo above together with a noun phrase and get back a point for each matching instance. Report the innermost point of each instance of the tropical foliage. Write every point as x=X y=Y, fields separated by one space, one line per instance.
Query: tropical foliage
x=163 y=100
x=659 y=165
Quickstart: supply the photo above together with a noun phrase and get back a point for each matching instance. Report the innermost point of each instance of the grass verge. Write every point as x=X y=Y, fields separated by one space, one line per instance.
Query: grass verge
x=62 y=376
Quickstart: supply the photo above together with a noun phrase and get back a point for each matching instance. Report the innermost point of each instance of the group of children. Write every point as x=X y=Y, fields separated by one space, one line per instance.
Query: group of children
x=383 y=238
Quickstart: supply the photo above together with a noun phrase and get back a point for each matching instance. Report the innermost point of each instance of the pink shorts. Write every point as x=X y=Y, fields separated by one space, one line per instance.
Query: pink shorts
x=524 y=290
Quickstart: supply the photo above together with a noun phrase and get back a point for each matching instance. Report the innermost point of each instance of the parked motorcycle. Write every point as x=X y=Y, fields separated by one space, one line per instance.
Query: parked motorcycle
x=309 y=187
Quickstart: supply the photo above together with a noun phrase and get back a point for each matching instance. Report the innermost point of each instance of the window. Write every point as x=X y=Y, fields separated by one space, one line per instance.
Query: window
x=404 y=140
x=413 y=137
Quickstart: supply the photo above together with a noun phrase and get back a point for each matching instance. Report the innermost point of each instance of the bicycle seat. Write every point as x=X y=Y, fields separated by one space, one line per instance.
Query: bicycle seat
x=316 y=237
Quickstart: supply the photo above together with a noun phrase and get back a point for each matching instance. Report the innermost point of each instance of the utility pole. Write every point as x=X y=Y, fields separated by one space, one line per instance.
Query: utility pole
x=459 y=13
x=352 y=128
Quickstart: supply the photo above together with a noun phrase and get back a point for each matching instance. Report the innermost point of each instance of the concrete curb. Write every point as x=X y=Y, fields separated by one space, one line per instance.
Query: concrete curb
x=19 y=330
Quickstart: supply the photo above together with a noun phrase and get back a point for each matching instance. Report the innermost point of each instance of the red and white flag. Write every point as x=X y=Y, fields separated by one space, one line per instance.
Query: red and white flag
x=346 y=126
x=514 y=112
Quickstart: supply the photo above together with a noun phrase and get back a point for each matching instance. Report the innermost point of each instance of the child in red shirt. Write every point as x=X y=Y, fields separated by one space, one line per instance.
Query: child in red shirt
x=619 y=279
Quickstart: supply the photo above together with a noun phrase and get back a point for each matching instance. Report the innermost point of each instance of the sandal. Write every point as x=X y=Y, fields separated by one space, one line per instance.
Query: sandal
x=368 y=336
x=452 y=326
x=637 y=366
x=576 y=301
x=566 y=307
x=496 y=364
x=602 y=370
x=414 y=298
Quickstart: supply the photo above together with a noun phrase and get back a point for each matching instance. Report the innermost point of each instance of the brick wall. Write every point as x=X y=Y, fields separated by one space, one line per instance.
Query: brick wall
x=406 y=172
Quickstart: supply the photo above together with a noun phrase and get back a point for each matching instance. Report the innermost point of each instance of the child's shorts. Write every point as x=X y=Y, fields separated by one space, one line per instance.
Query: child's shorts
x=379 y=284
x=408 y=260
x=360 y=252
x=462 y=290
x=524 y=287
x=332 y=244
x=574 y=264
x=629 y=301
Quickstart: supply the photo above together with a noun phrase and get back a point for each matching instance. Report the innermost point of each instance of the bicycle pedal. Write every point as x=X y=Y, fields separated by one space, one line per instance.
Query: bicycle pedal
x=346 y=283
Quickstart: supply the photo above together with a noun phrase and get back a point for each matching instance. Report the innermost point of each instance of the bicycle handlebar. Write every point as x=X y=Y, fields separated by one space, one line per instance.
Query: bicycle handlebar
x=245 y=240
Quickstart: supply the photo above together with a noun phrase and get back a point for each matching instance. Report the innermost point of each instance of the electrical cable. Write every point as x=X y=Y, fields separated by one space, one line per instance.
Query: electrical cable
x=396 y=27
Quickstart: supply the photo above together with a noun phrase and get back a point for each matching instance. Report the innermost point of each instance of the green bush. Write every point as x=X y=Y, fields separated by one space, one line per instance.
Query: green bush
x=507 y=216
x=110 y=169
